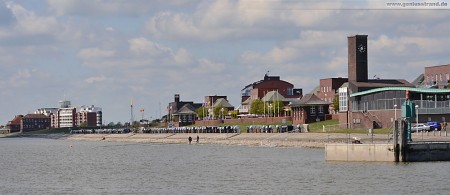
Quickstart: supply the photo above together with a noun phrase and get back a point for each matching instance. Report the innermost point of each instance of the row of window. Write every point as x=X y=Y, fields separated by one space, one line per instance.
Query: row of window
x=326 y=89
x=436 y=77
x=33 y=120
x=312 y=110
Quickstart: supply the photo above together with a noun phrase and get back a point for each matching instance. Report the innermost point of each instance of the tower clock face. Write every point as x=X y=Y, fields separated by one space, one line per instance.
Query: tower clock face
x=362 y=48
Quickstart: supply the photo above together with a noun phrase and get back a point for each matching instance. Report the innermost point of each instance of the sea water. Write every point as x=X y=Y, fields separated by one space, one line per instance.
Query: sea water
x=49 y=166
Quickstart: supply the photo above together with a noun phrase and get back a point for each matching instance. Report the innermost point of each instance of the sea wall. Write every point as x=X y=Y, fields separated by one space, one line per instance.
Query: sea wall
x=360 y=152
x=428 y=151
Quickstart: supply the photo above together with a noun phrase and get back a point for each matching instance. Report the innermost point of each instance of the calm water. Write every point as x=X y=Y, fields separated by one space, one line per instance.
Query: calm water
x=45 y=166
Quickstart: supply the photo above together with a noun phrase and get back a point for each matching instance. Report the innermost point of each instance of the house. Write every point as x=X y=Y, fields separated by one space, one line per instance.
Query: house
x=178 y=111
x=29 y=122
x=15 y=125
x=259 y=89
x=186 y=115
x=32 y=122
x=309 y=109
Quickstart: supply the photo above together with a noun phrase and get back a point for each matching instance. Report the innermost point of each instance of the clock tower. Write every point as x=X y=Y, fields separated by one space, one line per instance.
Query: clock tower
x=357 y=58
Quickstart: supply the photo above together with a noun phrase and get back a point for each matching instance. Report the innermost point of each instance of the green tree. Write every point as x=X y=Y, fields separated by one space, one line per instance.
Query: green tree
x=201 y=112
x=234 y=114
x=218 y=112
x=336 y=103
x=257 y=107
x=83 y=124
x=276 y=107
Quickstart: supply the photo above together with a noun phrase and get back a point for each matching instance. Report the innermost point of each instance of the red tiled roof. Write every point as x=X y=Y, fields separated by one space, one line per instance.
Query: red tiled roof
x=35 y=116
x=16 y=121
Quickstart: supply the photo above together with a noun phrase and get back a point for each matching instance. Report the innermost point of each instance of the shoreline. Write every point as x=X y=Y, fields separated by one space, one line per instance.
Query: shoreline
x=305 y=140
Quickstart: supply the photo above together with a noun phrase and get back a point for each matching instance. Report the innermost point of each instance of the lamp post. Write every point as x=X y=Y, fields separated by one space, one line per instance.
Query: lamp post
x=270 y=107
x=395 y=113
x=417 y=119
x=221 y=110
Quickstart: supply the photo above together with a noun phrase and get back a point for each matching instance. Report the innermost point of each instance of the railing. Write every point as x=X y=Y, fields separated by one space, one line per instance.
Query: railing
x=424 y=106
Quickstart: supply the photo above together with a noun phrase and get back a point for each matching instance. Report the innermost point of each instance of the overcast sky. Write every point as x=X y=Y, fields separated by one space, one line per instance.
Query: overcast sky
x=107 y=52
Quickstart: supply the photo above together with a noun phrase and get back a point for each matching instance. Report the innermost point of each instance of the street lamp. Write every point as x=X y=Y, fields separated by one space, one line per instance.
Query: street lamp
x=417 y=119
x=395 y=112
x=270 y=107
x=222 y=112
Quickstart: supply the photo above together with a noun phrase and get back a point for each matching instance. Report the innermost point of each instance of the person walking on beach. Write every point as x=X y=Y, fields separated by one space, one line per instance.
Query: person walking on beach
x=190 y=139
x=198 y=139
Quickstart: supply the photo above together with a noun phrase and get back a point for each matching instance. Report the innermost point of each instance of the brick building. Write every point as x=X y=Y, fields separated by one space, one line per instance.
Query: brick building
x=32 y=122
x=329 y=87
x=29 y=122
x=437 y=76
x=369 y=104
x=182 y=113
x=259 y=89
x=309 y=109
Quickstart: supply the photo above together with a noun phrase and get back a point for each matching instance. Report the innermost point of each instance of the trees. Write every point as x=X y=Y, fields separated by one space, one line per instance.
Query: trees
x=276 y=108
x=218 y=111
x=336 y=103
x=234 y=114
x=257 y=107
x=202 y=112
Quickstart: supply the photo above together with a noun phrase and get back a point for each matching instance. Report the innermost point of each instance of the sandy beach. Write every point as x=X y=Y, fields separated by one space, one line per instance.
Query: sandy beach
x=310 y=140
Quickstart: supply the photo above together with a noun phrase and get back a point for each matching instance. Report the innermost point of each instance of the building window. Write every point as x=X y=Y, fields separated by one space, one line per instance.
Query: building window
x=290 y=91
x=320 y=109
x=313 y=110
x=343 y=99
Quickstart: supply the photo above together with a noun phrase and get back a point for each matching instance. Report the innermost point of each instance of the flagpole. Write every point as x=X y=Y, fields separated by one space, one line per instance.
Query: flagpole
x=264 y=102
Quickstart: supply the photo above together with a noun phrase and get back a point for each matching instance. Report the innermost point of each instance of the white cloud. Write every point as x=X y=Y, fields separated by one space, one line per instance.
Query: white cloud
x=29 y=22
x=111 y=7
x=95 y=79
x=92 y=53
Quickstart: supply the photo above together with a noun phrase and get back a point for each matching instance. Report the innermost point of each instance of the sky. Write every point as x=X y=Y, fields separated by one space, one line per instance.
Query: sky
x=109 y=53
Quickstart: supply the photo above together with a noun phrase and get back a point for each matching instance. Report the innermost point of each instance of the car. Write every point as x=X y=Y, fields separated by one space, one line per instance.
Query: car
x=420 y=127
x=435 y=125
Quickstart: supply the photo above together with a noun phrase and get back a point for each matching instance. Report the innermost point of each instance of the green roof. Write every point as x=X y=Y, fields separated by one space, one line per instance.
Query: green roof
x=411 y=89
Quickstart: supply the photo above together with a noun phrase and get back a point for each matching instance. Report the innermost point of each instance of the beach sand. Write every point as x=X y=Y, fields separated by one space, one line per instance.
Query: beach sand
x=310 y=140
x=313 y=140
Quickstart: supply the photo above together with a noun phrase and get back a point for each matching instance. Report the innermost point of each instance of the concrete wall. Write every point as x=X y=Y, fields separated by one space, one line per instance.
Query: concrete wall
x=360 y=152
x=417 y=152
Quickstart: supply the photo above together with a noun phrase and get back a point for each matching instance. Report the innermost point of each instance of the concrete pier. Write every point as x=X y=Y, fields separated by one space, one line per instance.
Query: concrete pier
x=360 y=152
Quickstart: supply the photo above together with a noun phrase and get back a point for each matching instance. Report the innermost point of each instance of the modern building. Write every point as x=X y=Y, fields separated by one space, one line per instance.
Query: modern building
x=259 y=89
x=71 y=116
x=50 y=112
x=376 y=103
x=90 y=116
